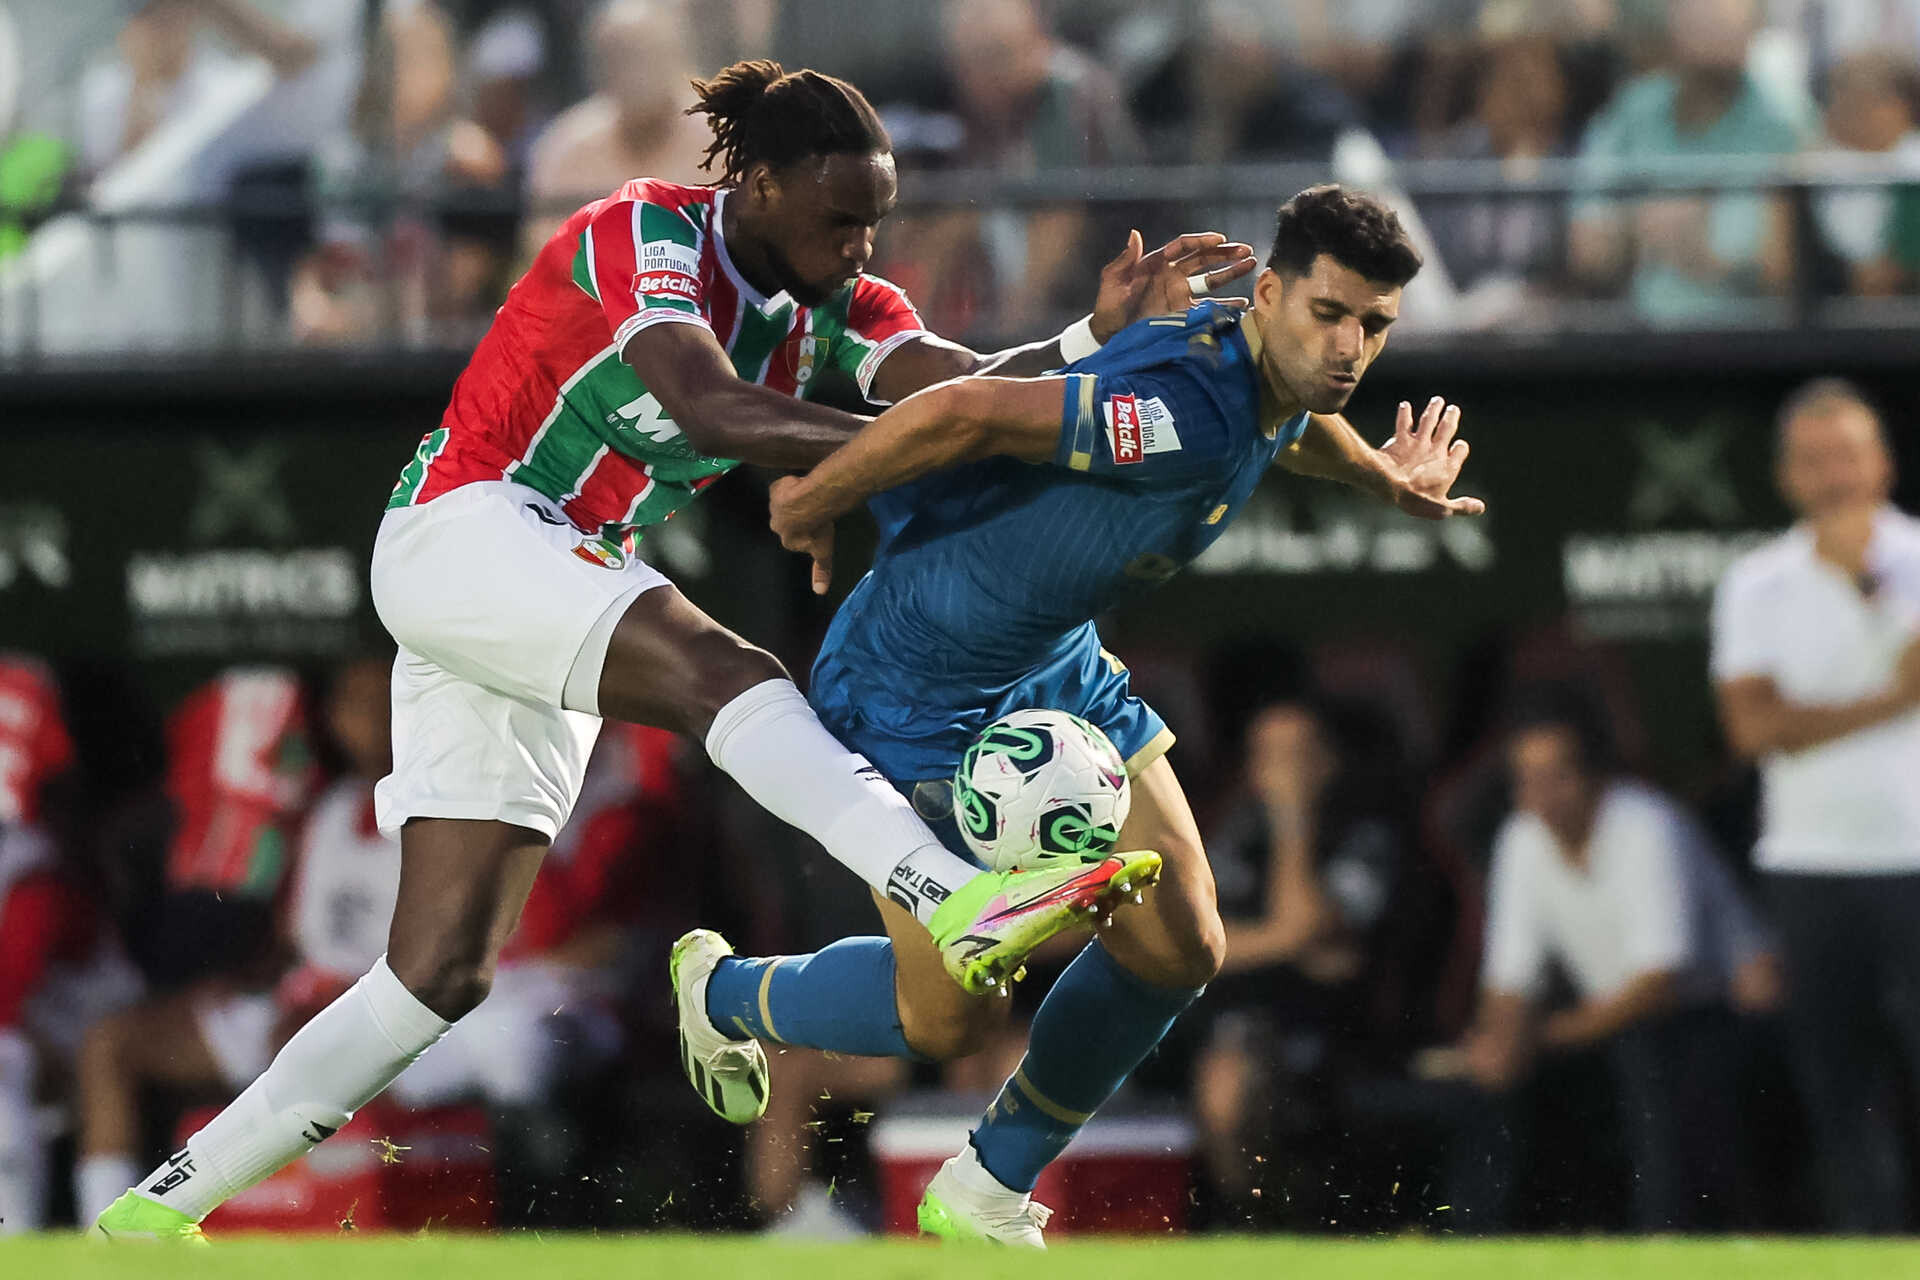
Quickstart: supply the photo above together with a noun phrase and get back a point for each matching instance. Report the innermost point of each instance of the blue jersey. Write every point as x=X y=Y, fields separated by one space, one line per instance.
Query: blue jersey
x=983 y=568
x=988 y=575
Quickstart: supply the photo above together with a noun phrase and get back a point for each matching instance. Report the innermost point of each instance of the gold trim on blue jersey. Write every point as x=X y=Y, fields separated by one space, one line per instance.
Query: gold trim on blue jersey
x=1157 y=746
x=1086 y=423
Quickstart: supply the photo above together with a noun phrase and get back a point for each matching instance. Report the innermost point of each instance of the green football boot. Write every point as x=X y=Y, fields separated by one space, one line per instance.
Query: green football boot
x=134 y=1217
x=992 y=923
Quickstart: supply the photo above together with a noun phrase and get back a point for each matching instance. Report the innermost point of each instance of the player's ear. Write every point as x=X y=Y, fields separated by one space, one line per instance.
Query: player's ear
x=761 y=186
x=1267 y=289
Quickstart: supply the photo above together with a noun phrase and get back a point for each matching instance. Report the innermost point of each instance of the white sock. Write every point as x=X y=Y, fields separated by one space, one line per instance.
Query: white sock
x=774 y=746
x=98 y=1181
x=23 y=1156
x=350 y=1051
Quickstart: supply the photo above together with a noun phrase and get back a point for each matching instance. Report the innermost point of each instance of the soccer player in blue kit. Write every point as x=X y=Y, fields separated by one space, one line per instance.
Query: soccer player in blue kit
x=1012 y=511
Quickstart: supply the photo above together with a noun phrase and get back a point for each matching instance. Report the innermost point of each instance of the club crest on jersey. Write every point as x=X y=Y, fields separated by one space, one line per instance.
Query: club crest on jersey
x=601 y=552
x=1136 y=428
x=813 y=351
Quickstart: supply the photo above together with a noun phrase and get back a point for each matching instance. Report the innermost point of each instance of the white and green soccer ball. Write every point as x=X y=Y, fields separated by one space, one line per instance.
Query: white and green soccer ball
x=1040 y=787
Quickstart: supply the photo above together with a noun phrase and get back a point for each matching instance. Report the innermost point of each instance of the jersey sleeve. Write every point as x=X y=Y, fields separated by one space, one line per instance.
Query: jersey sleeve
x=1742 y=629
x=641 y=262
x=880 y=320
x=1147 y=426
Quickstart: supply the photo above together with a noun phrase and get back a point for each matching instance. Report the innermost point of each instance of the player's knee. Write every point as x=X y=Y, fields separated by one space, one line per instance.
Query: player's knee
x=1189 y=908
x=450 y=986
x=724 y=668
x=1202 y=952
x=947 y=1043
x=953 y=1033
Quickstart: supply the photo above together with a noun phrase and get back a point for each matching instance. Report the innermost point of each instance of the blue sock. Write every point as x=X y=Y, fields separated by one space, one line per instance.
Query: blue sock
x=839 y=998
x=1091 y=1031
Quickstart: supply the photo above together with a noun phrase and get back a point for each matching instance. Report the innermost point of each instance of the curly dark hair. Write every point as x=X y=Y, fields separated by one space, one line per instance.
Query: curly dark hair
x=1352 y=228
x=762 y=114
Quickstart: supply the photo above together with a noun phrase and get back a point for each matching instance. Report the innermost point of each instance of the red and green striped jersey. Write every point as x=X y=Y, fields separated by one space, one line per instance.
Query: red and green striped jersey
x=546 y=401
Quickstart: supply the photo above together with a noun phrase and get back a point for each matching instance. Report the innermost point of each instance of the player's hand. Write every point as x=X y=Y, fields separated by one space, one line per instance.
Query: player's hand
x=1423 y=460
x=799 y=531
x=1138 y=284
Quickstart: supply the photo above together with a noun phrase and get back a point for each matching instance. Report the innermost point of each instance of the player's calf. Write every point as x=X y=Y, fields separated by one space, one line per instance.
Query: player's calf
x=1176 y=939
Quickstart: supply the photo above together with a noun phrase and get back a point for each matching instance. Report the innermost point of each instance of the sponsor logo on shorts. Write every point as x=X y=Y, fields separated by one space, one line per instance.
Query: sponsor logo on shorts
x=1137 y=427
x=673 y=283
x=598 y=551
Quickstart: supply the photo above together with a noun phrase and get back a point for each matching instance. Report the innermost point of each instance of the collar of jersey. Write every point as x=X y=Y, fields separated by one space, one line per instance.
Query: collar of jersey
x=1271 y=419
x=758 y=301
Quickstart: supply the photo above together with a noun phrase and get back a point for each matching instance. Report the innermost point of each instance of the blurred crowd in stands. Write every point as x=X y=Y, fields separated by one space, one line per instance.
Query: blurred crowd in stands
x=1483 y=973
x=386 y=179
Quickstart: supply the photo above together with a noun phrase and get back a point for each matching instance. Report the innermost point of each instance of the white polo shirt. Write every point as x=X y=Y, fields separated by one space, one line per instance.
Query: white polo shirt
x=1650 y=896
x=1850 y=806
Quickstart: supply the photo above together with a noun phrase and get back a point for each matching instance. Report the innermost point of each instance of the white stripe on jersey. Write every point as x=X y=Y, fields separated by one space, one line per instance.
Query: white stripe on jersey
x=645 y=489
x=559 y=403
x=580 y=481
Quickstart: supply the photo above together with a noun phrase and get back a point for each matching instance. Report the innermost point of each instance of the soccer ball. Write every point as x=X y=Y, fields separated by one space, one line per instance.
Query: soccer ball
x=1040 y=787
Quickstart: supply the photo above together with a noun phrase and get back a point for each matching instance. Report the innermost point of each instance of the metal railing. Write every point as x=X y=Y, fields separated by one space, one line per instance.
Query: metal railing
x=226 y=280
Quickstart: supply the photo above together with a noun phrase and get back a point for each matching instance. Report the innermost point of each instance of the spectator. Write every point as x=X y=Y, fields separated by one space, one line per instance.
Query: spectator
x=548 y=1012
x=504 y=63
x=1688 y=257
x=60 y=966
x=408 y=145
x=1307 y=865
x=1026 y=103
x=1501 y=249
x=34 y=166
x=1871 y=109
x=635 y=124
x=1816 y=661
x=1254 y=96
x=342 y=886
x=163 y=70
x=1614 y=882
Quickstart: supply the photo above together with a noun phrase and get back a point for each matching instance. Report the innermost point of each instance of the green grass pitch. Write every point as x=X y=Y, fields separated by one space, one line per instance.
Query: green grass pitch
x=641 y=1257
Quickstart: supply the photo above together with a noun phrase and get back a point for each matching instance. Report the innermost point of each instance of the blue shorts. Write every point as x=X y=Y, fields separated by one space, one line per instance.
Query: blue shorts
x=915 y=727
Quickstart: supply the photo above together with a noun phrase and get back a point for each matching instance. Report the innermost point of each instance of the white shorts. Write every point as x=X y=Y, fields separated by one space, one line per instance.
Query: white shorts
x=493 y=597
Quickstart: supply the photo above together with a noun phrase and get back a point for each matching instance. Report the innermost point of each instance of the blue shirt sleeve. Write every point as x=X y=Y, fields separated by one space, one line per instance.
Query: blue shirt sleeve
x=1148 y=425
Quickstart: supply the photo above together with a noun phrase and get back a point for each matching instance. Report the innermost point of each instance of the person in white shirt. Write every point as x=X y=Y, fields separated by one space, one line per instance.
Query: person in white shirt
x=1816 y=662
x=1614 y=882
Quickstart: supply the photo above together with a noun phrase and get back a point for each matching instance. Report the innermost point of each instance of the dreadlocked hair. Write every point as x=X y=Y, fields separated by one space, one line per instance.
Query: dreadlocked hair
x=762 y=114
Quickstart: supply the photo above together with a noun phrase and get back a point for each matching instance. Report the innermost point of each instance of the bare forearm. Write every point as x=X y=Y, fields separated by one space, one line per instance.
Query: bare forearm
x=1760 y=721
x=1797 y=726
x=922 y=433
x=1592 y=1021
x=1330 y=449
x=750 y=423
x=1029 y=361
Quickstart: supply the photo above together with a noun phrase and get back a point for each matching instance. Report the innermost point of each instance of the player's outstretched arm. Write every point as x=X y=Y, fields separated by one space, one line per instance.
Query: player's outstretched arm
x=1133 y=286
x=954 y=422
x=722 y=414
x=1414 y=471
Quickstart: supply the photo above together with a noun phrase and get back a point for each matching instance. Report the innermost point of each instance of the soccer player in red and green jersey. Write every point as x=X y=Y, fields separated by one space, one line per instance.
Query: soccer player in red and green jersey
x=661 y=337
